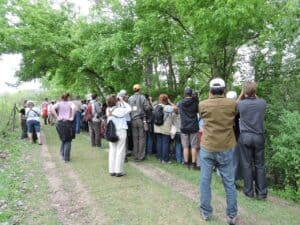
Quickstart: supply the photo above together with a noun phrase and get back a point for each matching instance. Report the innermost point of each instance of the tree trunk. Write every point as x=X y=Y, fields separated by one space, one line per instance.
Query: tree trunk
x=148 y=72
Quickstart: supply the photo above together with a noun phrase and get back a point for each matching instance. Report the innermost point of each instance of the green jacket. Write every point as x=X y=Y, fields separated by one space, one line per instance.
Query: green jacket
x=218 y=114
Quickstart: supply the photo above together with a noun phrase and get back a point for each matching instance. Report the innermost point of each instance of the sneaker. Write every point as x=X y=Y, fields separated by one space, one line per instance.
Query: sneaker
x=205 y=217
x=232 y=220
x=113 y=174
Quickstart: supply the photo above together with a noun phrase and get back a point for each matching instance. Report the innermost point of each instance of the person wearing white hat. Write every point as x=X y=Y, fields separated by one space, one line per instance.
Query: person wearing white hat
x=217 y=145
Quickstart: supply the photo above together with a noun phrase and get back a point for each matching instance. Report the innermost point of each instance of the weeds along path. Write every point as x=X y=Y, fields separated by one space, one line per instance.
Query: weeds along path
x=69 y=196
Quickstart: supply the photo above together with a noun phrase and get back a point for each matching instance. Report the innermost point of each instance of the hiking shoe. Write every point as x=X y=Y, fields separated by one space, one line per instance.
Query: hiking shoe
x=232 y=220
x=205 y=217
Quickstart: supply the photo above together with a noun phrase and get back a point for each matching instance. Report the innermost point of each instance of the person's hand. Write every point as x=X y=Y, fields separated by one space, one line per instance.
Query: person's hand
x=242 y=93
x=242 y=96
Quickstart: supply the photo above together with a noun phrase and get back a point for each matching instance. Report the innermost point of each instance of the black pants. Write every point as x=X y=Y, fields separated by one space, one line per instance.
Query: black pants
x=65 y=150
x=253 y=163
x=24 y=128
x=66 y=134
x=129 y=141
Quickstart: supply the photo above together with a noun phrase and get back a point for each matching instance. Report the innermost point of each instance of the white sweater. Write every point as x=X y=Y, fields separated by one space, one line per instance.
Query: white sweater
x=119 y=115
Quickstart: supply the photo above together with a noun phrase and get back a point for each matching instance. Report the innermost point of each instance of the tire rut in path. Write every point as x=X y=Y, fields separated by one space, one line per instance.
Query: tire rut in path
x=188 y=190
x=76 y=206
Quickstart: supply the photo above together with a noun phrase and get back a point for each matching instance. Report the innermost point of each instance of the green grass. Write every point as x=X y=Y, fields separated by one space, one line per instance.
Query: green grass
x=133 y=199
x=23 y=187
x=265 y=210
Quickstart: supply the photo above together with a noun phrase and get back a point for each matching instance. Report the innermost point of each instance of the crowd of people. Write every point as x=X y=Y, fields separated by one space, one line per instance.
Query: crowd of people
x=223 y=133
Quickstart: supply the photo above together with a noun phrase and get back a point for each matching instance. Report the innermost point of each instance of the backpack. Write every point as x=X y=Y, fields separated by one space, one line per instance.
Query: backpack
x=110 y=133
x=88 y=113
x=158 y=115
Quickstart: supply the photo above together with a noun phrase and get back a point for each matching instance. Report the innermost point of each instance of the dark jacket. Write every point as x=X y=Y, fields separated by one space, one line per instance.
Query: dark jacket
x=252 y=113
x=188 y=109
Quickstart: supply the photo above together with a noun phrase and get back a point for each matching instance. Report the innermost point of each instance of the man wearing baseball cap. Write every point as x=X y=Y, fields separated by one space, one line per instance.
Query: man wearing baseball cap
x=217 y=145
x=139 y=105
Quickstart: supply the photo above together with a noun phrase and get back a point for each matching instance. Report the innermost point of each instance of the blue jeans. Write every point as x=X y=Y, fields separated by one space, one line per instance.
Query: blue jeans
x=33 y=124
x=77 y=121
x=223 y=161
x=178 y=148
x=163 y=146
x=149 y=142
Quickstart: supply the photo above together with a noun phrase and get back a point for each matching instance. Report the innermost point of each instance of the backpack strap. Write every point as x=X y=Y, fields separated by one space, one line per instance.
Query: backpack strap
x=110 y=113
x=32 y=111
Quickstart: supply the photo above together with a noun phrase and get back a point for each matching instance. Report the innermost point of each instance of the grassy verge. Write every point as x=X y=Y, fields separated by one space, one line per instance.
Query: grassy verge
x=23 y=189
x=275 y=213
x=133 y=199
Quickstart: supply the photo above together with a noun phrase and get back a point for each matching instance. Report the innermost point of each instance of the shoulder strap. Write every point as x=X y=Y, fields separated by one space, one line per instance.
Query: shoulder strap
x=32 y=111
x=114 y=115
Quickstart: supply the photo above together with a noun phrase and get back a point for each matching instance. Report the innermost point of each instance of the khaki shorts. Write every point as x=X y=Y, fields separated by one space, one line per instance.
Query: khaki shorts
x=188 y=140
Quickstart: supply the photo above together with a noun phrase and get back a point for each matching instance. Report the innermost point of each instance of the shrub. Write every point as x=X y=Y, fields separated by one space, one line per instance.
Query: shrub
x=286 y=148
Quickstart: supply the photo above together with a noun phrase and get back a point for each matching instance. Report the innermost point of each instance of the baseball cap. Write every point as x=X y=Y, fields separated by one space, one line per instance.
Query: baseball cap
x=188 y=91
x=217 y=83
x=136 y=87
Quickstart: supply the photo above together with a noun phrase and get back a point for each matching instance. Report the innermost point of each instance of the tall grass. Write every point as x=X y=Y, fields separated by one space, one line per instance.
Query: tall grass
x=10 y=104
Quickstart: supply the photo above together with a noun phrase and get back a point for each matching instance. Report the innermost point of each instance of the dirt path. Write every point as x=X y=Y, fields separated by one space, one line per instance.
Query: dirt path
x=75 y=206
x=190 y=191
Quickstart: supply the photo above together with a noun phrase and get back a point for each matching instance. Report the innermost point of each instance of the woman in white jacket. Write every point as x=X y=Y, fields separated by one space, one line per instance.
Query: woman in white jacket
x=116 y=111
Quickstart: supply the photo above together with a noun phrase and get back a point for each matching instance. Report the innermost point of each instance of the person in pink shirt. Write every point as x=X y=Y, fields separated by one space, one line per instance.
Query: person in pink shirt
x=64 y=111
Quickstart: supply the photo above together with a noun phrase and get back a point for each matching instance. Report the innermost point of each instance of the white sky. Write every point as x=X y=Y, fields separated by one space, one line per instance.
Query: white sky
x=9 y=63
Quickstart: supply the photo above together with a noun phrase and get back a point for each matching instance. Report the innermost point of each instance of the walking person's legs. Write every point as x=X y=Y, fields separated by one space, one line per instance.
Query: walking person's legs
x=67 y=150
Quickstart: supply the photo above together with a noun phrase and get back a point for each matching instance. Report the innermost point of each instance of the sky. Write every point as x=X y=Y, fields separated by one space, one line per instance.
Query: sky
x=10 y=63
